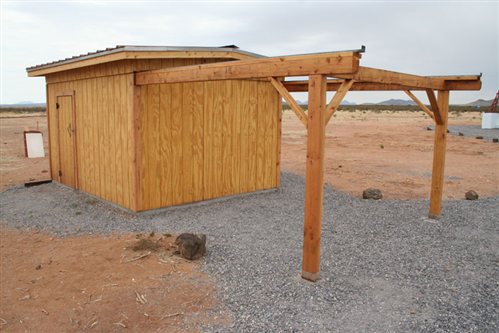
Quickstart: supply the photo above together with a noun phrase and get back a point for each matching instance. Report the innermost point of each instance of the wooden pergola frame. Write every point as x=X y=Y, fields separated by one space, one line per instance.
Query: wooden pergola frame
x=348 y=75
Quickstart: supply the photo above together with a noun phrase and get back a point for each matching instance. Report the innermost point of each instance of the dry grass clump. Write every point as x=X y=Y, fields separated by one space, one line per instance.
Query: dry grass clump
x=145 y=244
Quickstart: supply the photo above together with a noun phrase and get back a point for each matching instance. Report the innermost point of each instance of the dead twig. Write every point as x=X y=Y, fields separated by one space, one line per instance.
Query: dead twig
x=140 y=298
x=3 y=321
x=139 y=257
x=120 y=324
x=171 y=315
x=97 y=299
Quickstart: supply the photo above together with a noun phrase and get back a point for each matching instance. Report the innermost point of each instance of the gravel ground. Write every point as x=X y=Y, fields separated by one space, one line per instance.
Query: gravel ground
x=385 y=267
x=473 y=131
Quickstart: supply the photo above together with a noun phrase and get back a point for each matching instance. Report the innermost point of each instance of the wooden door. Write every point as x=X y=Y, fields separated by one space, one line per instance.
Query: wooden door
x=67 y=143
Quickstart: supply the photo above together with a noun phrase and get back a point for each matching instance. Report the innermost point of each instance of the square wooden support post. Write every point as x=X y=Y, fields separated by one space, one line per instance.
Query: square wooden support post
x=437 y=178
x=314 y=177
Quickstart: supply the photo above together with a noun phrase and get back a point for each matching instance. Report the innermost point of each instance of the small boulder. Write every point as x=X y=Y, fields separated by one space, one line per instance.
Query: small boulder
x=191 y=246
x=471 y=195
x=495 y=140
x=372 y=193
x=461 y=134
x=479 y=137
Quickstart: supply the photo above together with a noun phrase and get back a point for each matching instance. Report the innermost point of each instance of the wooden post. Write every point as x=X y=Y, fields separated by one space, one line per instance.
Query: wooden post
x=314 y=177
x=437 y=178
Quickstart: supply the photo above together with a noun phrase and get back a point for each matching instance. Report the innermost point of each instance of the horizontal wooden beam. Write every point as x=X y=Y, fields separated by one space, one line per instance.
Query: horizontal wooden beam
x=334 y=85
x=300 y=65
x=463 y=84
x=290 y=100
x=419 y=103
x=367 y=74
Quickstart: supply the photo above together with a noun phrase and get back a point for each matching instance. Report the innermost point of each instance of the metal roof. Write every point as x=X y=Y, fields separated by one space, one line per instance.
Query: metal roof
x=138 y=48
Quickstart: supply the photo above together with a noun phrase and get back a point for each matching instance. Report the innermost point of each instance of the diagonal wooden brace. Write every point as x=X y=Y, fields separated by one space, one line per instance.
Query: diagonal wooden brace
x=337 y=98
x=290 y=100
x=420 y=104
x=434 y=106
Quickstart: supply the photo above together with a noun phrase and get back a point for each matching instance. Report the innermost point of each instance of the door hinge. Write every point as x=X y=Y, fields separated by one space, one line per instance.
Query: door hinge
x=60 y=173
x=57 y=106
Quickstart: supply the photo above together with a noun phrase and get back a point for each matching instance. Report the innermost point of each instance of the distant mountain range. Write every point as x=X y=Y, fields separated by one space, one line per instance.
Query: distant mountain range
x=480 y=102
x=23 y=104
x=403 y=102
x=392 y=101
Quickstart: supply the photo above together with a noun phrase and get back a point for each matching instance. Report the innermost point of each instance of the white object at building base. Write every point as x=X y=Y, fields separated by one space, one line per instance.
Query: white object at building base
x=490 y=120
x=34 y=144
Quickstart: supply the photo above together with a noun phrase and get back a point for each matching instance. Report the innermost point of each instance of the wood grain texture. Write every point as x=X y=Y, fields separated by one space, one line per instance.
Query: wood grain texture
x=314 y=177
x=134 y=56
x=297 y=65
x=437 y=176
x=297 y=109
x=67 y=153
x=337 y=98
x=102 y=127
x=120 y=67
x=213 y=135
x=423 y=107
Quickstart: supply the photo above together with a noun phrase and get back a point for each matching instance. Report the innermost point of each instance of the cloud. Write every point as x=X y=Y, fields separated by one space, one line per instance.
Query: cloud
x=420 y=38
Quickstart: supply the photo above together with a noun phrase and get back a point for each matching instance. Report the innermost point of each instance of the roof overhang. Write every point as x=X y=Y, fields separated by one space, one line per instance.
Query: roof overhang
x=140 y=52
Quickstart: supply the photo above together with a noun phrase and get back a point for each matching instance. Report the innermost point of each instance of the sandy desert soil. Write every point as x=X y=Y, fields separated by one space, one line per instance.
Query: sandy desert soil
x=393 y=151
x=15 y=168
x=90 y=283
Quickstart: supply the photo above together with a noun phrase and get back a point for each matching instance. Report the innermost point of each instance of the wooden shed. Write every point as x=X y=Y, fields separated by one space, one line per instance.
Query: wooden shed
x=152 y=146
x=152 y=127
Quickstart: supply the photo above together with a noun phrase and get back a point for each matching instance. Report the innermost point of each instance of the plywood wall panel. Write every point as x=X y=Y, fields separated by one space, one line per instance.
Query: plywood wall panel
x=216 y=138
x=176 y=160
x=197 y=140
x=121 y=67
x=103 y=133
x=165 y=145
x=208 y=138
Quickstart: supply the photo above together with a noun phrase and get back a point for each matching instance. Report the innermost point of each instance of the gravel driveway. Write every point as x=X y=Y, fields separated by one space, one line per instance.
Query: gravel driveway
x=385 y=266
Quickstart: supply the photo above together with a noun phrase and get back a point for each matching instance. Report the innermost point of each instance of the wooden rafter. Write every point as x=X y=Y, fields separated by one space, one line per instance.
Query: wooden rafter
x=367 y=74
x=335 y=63
x=337 y=98
x=461 y=83
x=420 y=104
x=290 y=100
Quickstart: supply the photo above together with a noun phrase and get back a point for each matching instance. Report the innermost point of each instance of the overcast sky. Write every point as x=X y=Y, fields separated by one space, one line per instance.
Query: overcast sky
x=423 y=38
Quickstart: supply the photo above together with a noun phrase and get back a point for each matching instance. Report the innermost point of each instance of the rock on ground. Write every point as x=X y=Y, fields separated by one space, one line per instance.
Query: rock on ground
x=471 y=195
x=372 y=193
